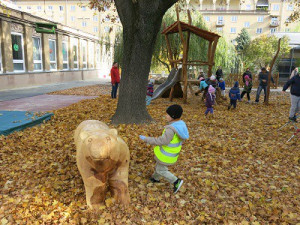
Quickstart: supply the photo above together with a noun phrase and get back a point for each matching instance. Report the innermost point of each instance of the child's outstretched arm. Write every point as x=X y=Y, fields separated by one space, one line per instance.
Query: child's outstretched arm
x=164 y=139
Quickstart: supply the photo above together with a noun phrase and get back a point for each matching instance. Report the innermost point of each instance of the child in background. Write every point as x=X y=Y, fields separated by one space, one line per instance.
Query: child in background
x=247 y=88
x=168 y=146
x=149 y=91
x=203 y=85
x=234 y=95
x=210 y=100
x=222 y=87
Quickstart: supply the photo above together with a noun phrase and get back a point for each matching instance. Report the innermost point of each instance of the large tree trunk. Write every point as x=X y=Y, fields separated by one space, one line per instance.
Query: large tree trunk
x=141 y=22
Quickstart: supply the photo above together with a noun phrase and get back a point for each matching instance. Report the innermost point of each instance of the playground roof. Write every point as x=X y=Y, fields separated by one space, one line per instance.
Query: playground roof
x=186 y=27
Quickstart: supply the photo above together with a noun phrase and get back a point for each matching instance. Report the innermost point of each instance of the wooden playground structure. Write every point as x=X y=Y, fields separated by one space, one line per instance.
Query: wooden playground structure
x=180 y=27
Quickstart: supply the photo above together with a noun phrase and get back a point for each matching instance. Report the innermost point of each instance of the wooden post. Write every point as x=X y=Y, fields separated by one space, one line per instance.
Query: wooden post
x=270 y=72
x=184 y=58
x=170 y=53
x=212 y=56
x=209 y=59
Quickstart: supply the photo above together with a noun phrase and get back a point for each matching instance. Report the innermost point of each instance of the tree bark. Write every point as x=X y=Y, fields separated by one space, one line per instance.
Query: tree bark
x=141 y=22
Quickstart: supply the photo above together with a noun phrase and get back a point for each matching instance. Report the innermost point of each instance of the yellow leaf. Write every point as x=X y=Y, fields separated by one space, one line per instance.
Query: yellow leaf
x=109 y=202
x=4 y=221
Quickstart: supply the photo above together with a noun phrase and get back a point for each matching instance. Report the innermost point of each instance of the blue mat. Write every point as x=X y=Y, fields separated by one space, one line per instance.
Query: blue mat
x=11 y=121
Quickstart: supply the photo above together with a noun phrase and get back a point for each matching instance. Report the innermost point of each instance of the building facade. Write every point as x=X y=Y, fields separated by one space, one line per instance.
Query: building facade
x=286 y=65
x=28 y=58
x=74 y=13
x=257 y=16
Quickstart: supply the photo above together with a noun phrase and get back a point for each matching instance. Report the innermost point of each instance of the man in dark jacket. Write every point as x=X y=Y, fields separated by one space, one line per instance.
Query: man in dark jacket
x=219 y=73
x=295 y=95
x=263 y=78
x=247 y=72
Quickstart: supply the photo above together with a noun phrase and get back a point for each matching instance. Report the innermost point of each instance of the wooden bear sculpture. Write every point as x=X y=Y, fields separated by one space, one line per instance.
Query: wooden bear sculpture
x=103 y=161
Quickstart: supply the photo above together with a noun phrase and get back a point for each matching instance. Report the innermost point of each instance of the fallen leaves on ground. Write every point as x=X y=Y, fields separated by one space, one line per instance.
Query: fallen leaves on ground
x=92 y=90
x=237 y=169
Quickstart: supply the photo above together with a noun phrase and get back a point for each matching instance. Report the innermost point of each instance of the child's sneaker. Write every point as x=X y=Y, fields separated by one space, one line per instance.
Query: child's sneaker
x=177 y=185
x=153 y=180
x=293 y=119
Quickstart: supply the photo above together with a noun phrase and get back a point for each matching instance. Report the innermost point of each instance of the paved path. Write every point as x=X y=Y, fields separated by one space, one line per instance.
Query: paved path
x=40 y=90
x=41 y=103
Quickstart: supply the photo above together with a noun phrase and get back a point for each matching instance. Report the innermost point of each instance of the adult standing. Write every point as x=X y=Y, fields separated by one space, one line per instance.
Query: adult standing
x=219 y=73
x=247 y=73
x=263 y=78
x=294 y=72
x=115 y=79
x=295 y=95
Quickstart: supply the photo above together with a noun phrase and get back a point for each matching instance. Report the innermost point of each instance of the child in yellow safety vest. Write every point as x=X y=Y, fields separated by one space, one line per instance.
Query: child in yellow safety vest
x=168 y=146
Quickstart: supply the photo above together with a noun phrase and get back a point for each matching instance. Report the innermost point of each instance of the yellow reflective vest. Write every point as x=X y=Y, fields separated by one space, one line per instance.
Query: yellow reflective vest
x=169 y=153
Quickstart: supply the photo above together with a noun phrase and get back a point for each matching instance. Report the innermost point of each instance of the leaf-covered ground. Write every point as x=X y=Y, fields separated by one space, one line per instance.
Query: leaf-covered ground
x=237 y=169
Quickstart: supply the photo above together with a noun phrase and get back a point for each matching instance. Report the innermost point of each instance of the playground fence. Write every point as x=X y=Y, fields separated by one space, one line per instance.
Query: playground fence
x=233 y=77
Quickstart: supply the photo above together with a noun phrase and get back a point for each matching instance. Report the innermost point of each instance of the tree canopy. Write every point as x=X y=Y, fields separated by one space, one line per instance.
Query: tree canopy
x=242 y=40
x=261 y=50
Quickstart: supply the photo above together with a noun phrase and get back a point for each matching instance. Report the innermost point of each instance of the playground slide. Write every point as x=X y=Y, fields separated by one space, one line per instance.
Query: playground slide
x=172 y=79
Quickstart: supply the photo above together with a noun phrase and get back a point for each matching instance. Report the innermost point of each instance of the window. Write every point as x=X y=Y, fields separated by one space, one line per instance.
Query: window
x=207 y=18
x=287 y=29
x=273 y=30
x=275 y=7
x=107 y=19
x=95 y=29
x=260 y=19
x=290 y=7
x=65 y=55
x=219 y=29
x=106 y=29
x=98 y=55
x=220 y=20
x=247 y=24
x=61 y=8
x=50 y=7
x=84 y=23
x=233 y=30
x=19 y=7
x=39 y=8
x=52 y=52
x=91 y=54
x=75 y=53
x=28 y=8
x=72 y=7
x=73 y=18
x=248 y=7
x=84 y=54
x=258 y=30
x=83 y=8
x=95 y=18
x=37 y=54
x=274 y=21
x=18 y=52
x=234 y=19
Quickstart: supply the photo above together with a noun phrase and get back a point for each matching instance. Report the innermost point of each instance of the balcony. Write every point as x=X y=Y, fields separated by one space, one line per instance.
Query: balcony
x=220 y=23
x=274 y=24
